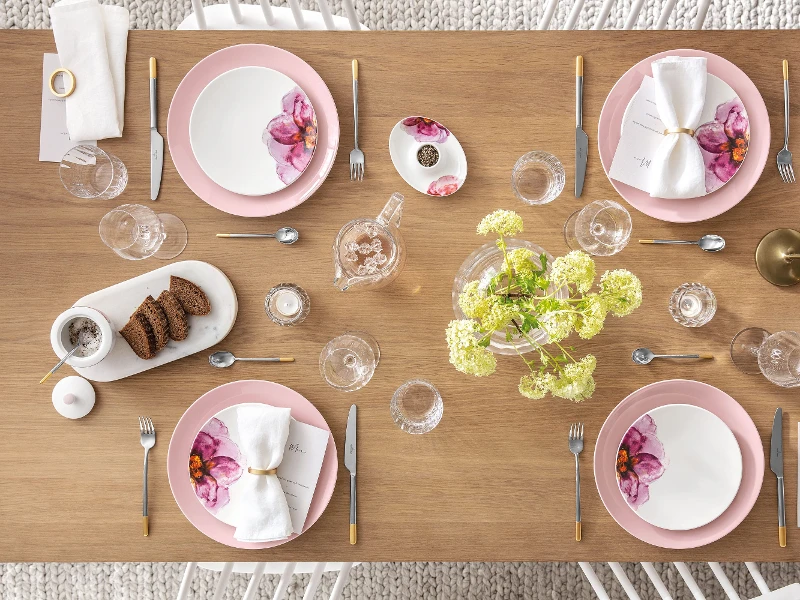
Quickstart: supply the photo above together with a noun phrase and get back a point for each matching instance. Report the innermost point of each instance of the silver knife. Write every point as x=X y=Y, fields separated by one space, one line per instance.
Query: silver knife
x=581 y=139
x=156 y=141
x=776 y=464
x=350 y=463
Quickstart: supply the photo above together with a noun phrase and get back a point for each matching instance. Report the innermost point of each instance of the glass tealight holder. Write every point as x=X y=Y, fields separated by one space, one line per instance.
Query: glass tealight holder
x=538 y=178
x=287 y=304
x=692 y=305
x=417 y=406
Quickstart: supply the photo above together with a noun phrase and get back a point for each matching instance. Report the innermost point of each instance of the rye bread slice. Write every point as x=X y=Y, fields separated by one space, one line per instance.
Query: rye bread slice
x=139 y=335
x=193 y=300
x=158 y=320
x=176 y=316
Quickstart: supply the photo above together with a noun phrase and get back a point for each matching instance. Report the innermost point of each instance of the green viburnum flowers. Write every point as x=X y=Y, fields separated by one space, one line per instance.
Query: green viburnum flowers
x=517 y=301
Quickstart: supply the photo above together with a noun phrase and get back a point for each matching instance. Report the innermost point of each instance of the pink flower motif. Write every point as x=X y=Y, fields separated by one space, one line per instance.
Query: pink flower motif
x=640 y=461
x=444 y=186
x=292 y=136
x=425 y=130
x=213 y=465
x=724 y=142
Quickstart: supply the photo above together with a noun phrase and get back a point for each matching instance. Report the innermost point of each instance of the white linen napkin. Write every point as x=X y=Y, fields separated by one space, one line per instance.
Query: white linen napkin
x=92 y=42
x=680 y=89
x=263 y=511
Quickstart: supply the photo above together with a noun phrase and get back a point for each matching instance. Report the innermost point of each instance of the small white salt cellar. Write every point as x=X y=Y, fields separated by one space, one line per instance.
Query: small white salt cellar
x=73 y=397
x=287 y=304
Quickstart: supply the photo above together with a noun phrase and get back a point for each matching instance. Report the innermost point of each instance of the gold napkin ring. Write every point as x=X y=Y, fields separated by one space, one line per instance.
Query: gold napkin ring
x=685 y=130
x=254 y=471
x=67 y=90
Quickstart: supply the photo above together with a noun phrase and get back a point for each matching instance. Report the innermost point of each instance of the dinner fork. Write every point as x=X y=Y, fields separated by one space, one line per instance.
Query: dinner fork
x=784 y=156
x=576 y=447
x=148 y=439
x=356 y=155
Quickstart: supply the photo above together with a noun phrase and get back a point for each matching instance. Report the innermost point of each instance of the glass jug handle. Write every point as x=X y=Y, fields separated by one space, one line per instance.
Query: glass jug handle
x=391 y=213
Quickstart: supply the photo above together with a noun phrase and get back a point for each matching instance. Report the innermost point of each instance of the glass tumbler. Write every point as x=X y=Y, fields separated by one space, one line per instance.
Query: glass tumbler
x=601 y=228
x=89 y=172
x=348 y=362
x=135 y=232
x=692 y=305
x=779 y=358
x=416 y=406
x=538 y=178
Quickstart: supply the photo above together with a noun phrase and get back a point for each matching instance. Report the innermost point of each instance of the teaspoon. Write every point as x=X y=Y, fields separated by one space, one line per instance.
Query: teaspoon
x=643 y=356
x=224 y=359
x=61 y=362
x=285 y=235
x=708 y=243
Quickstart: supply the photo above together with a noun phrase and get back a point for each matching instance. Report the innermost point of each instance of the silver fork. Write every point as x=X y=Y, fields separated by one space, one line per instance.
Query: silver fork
x=576 y=447
x=356 y=155
x=784 y=156
x=147 y=436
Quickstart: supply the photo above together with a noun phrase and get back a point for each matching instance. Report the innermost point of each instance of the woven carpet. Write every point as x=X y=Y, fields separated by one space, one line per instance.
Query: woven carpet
x=406 y=581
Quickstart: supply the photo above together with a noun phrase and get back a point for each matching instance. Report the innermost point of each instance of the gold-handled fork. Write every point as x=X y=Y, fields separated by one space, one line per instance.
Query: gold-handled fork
x=576 y=447
x=147 y=436
x=784 y=156
x=356 y=155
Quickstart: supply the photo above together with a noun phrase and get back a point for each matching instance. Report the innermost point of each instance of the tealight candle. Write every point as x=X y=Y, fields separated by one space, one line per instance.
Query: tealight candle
x=287 y=304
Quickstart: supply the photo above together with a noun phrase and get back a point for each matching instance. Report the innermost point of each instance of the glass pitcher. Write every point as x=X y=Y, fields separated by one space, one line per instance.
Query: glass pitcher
x=370 y=252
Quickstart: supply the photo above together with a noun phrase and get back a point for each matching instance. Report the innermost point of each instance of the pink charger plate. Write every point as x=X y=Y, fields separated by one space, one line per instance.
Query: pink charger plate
x=193 y=420
x=258 y=55
x=688 y=210
x=678 y=391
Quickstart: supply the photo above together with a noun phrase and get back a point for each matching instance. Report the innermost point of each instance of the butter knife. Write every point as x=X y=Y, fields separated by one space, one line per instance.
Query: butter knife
x=776 y=464
x=581 y=139
x=350 y=463
x=156 y=141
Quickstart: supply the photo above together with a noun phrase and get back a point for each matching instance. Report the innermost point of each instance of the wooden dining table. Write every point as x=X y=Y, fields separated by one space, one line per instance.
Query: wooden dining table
x=495 y=480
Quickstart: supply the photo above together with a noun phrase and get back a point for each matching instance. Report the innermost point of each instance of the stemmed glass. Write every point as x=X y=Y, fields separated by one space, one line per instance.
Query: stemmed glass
x=89 y=172
x=348 y=362
x=136 y=232
x=601 y=228
x=776 y=356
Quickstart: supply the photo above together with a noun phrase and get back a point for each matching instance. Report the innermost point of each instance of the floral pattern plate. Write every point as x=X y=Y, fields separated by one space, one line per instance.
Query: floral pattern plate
x=253 y=131
x=414 y=136
x=679 y=467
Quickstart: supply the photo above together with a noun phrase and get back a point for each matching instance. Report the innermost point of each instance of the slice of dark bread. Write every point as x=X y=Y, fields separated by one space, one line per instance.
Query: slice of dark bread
x=176 y=316
x=193 y=300
x=158 y=320
x=139 y=335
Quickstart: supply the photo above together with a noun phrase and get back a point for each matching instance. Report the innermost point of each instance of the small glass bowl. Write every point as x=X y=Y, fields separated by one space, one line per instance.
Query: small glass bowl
x=538 y=178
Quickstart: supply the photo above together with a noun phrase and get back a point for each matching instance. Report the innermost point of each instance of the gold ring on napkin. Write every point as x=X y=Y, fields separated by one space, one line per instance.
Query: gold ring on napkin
x=67 y=91
x=685 y=130
x=254 y=471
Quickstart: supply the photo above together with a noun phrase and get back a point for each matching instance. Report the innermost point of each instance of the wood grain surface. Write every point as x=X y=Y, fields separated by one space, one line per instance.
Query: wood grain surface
x=495 y=480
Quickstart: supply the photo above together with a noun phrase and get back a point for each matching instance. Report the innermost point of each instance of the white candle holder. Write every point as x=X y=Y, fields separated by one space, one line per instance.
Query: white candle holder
x=287 y=304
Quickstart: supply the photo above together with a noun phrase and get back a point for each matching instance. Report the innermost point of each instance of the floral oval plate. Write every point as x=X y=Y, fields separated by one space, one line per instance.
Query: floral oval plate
x=679 y=467
x=253 y=131
x=428 y=156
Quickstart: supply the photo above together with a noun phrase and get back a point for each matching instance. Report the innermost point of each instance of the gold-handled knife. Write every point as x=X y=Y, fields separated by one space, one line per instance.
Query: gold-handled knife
x=350 y=463
x=156 y=141
x=581 y=139
x=776 y=464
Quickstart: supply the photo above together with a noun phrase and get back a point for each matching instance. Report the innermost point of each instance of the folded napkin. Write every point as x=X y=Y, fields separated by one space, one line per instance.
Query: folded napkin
x=680 y=90
x=92 y=42
x=263 y=514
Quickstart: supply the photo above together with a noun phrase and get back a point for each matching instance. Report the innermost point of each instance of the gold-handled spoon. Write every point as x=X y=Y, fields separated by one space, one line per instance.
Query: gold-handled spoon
x=61 y=362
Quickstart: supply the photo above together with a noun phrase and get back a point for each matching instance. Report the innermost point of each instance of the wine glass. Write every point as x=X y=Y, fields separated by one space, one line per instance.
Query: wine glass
x=348 y=362
x=538 y=178
x=601 y=228
x=89 y=172
x=417 y=406
x=776 y=356
x=136 y=232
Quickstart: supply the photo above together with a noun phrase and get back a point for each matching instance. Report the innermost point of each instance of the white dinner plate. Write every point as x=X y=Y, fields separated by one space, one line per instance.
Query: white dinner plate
x=679 y=467
x=253 y=131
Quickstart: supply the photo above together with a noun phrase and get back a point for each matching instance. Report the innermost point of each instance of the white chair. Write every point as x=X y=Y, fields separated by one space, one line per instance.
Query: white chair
x=265 y=16
x=630 y=20
x=286 y=571
x=791 y=592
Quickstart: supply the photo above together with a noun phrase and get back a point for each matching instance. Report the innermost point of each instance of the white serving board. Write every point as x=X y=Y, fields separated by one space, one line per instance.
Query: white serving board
x=119 y=301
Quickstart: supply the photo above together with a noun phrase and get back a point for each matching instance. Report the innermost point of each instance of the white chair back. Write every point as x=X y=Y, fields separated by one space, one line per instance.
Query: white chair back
x=265 y=16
